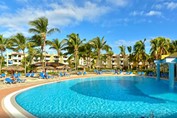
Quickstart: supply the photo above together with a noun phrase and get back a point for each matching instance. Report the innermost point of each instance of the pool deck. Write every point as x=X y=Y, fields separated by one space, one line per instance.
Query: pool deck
x=6 y=89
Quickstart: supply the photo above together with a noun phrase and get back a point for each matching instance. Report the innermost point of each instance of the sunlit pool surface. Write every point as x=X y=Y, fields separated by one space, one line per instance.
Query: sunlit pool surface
x=101 y=97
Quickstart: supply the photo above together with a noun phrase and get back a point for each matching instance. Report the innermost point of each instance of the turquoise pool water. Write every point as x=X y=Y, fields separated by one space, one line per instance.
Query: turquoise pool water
x=101 y=97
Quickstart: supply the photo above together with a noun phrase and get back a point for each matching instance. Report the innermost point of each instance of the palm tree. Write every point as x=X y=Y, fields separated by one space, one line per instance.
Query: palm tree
x=123 y=53
x=122 y=50
x=99 y=45
x=20 y=43
x=129 y=48
x=74 y=43
x=109 y=55
x=139 y=51
x=159 y=46
x=173 y=46
x=40 y=28
x=4 y=43
x=57 y=45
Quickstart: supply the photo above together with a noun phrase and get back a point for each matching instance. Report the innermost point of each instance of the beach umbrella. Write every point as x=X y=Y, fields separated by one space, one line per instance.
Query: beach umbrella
x=47 y=68
x=13 y=68
x=60 y=67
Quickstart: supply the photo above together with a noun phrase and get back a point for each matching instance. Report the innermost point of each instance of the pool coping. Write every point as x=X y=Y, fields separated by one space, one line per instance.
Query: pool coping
x=13 y=109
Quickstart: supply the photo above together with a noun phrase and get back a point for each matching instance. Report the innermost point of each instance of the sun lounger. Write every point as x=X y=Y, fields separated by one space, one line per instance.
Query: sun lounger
x=42 y=76
x=20 y=80
x=84 y=73
x=9 y=81
x=79 y=73
x=3 y=75
x=28 y=74
x=32 y=75
x=61 y=74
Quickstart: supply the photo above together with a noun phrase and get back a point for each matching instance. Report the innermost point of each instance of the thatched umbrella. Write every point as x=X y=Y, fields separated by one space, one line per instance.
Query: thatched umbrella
x=13 y=68
x=60 y=67
x=47 y=68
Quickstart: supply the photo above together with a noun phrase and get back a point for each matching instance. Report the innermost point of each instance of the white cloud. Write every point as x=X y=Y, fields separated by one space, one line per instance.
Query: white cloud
x=171 y=5
x=58 y=15
x=142 y=13
x=119 y=3
x=153 y=13
x=166 y=5
x=3 y=6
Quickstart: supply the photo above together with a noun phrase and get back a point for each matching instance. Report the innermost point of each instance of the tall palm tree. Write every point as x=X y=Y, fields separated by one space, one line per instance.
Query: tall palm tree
x=40 y=28
x=159 y=46
x=109 y=55
x=57 y=45
x=123 y=53
x=20 y=43
x=139 y=51
x=4 y=43
x=129 y=48
x=99 y=45
x=74 y=43
x=122 y=50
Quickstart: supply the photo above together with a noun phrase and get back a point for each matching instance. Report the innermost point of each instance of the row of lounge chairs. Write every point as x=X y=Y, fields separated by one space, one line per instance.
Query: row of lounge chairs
x=30 y=74
x=15 y=80
x=80 y=73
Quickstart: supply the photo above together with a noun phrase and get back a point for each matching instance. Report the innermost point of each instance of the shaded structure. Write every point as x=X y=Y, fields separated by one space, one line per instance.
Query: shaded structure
x=49 y=65
x=171 y=60
x=13 y=68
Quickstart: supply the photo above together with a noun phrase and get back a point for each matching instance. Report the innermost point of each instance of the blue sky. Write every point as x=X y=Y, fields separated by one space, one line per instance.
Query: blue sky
x=121 y=22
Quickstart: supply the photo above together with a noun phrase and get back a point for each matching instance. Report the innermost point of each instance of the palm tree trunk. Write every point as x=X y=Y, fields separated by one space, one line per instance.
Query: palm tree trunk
x=1 y=62
x=89 y=62
x=98 y=59
x=43 y=55
x=25 y=60
x=75 y=59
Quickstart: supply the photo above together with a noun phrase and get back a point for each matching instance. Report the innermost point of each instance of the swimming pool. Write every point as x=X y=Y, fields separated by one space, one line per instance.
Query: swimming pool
x=101 y=97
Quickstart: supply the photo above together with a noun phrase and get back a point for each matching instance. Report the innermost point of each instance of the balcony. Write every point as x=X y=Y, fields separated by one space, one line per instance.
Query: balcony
x=114 y=63
x=47 y=58
x=121 y=59
x=56 y=59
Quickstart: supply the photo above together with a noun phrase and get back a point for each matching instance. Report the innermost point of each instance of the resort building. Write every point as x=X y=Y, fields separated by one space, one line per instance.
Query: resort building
x=114 y=61
x=16 y=58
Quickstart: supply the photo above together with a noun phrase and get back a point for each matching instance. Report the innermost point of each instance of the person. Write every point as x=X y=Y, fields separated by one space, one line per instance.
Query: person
x=116 y=71
x=13 y=77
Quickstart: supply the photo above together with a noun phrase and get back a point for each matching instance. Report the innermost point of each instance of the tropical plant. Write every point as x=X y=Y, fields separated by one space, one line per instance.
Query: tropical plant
x=40 y=28
x=74 y=43
x=159 y=46
x=129 y=48
x=57 y=45
x=173 y=46
x=99 y=45
x=109 y=55
x=4 y=43
x=122 y=50
x=20 y=43
x=140 y=52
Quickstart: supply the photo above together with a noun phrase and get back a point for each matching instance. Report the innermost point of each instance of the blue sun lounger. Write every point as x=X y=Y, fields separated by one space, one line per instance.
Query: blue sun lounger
x=9 y=81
